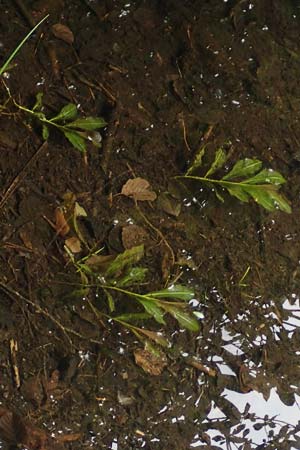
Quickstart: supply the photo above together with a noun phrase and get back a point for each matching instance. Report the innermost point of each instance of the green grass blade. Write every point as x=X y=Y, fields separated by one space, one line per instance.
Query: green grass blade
x=18 y=48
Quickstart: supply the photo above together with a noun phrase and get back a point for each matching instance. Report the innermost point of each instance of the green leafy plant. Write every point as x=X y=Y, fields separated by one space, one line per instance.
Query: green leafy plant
x=78 y=130
x=117 y=275
x=246 y=180
x=7 y=63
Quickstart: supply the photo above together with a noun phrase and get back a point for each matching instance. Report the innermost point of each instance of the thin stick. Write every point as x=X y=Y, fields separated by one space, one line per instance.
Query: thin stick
x=21 y=175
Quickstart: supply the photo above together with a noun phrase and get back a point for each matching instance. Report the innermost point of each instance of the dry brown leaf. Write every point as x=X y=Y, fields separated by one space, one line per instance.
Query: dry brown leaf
x=133 y=235
x=149 y=362
x=61 y=224
x=73 y=244
x=63 y=32
x=138 y=189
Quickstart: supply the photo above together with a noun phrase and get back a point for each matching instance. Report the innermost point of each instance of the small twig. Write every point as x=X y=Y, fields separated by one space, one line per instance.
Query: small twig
x=21 y=176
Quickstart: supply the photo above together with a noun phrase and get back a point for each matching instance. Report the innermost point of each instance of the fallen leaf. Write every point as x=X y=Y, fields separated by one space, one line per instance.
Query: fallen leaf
x=169 y=204
x=73 y=244
x=133 y=235
x=150 y=362
x=63 y=32
x=61 y=224
x=138 y=189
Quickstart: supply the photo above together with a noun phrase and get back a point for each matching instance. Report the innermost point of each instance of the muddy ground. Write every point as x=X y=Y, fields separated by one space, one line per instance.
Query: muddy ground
x=168 y=77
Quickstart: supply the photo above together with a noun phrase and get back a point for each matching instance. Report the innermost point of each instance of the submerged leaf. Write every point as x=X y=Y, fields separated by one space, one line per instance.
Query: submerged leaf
x=88 y=123
x=243 y=168
x=76 y=140
x=133 y=276
x=220 y=158
x=63 y=32
x=267 y=176
x=68 y=112
x=184 y=318
x=154 y=310
x=138 y=189
x=124 y=260
x=175 y=291
x=197 y=160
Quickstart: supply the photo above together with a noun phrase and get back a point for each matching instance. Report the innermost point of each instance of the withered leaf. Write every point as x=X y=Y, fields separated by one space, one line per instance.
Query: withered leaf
x=63 y=32
x=61 y=225
x=133 y=235
x=150 y=362
x=138 y=189
x=169 y=204
x=73 y=244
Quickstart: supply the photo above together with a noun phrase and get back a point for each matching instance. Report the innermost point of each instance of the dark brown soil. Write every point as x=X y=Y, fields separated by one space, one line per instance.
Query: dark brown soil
x=168 y=77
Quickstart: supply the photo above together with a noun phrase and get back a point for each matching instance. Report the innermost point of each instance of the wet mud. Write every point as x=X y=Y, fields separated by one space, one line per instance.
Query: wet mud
x=168 y=77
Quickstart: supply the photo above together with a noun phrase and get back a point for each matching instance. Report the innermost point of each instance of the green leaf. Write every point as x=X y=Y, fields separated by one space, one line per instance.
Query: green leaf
x=68 y=112
x=244 y=168
x=268 y=197
x=38 y=102
x=175 y=291
x=45 y=132
x=76 y=140
x=184 y=318
x=88 y=123
x=156 y=336
x=238 y=192
x=134 y=275
x=197 y=160
x=110 y=301
x=132 y=317
x=154 y=310
x=266 y=176
x=124 y=260
x=220 y=158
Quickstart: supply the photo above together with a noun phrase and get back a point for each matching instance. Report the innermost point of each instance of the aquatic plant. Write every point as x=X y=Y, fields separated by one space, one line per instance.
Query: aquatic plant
x=246 y=180
x=78 y=130
x=120 y=274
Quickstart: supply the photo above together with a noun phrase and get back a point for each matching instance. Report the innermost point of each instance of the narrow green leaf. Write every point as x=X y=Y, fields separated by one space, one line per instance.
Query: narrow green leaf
x=156 y=336
x=45 y=132
x=124 y=260
x=175 y=291
x=88 y=123
x=133 y=276
x=76 y=140
x=38 y=102
x=197 y=160
x=110 y=301
x=220 y=158
x=266 y=176
x=133 y=317
x=184 y=318
x=244 y=168
x=154 y=310
x=68 y=112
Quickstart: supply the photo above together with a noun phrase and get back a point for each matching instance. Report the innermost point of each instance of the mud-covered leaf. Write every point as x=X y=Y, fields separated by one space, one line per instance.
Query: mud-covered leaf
x=68 y=112
x=150 y=361
x=154 y=310
x=138 y=189
x=175 y=291
x=220 y=159
x=184 y=318
x=243 y=168
x=63 y=32
x=197 y=162
x=124 y=260
x=76 y=140
x=88 y=123
x=169 y=204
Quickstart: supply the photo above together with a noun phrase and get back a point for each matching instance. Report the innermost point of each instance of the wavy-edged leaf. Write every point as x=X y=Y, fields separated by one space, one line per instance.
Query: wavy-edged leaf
x=68 y=112
x=175 y=291
x=184 y=318
x=124 y=260
x=244 y=168
x=197 y=162
x=88 y=123
x=220 y=158
x=266 y=176
x=154 y=310
x=76 y=140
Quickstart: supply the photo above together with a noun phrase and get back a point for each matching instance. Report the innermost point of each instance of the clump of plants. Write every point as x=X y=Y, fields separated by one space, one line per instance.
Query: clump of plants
x=246 y=180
